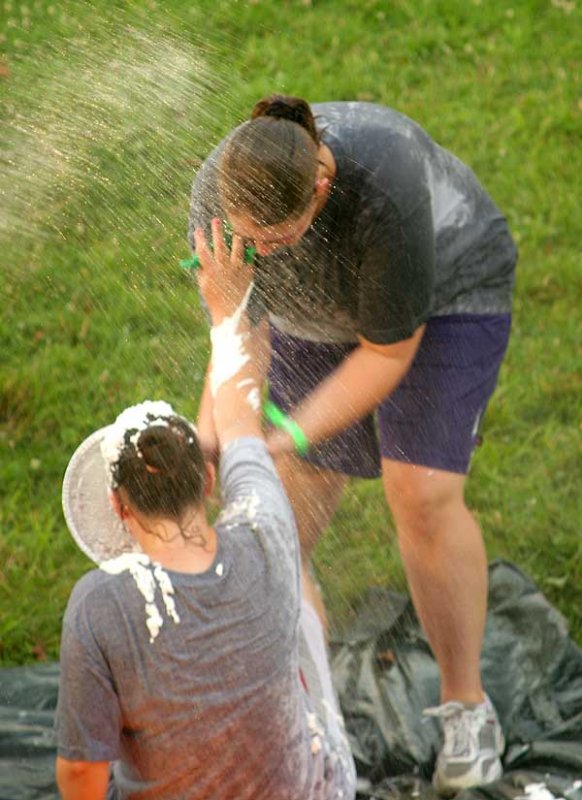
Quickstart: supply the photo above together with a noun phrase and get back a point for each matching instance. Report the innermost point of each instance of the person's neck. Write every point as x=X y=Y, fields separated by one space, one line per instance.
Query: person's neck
x=191 y=549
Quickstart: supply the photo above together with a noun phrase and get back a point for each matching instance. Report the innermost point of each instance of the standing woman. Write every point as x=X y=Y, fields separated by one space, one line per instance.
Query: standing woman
x=387 y=273
x=190 y=667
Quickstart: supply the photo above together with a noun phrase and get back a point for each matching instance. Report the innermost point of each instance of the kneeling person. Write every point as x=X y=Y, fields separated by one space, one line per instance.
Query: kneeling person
x=190 y=666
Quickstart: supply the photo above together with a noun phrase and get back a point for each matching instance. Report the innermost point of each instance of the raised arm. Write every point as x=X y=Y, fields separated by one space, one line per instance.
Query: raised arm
x=239 y=350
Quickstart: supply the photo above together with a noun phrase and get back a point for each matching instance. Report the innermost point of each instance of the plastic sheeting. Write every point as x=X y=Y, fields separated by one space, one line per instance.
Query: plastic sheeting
x=385 y=676
x=28 y=698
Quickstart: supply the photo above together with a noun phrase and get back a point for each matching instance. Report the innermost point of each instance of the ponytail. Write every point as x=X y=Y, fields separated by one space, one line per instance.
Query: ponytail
x=293 y=109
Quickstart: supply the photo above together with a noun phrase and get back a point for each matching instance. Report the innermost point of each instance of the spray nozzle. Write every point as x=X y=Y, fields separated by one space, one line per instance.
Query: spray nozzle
x=194 y=261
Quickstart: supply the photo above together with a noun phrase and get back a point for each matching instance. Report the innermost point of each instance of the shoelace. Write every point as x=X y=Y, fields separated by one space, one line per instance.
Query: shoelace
x=458 y=730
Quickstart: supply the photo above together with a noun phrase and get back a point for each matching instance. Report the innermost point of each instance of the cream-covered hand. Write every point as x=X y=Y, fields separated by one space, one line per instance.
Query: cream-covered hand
x=240 y=351
x=224 y=278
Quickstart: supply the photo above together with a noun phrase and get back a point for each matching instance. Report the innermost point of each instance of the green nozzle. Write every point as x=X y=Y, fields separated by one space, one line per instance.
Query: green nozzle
x=190 y=263
x=194 y=261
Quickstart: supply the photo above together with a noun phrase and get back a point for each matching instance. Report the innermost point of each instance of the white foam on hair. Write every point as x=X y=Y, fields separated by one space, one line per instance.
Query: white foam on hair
x=538 y=791
x=138 y=418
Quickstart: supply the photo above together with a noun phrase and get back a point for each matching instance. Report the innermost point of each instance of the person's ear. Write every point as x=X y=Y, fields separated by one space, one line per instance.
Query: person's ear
x=119 y=509
x=210 y=479
x=321 y=186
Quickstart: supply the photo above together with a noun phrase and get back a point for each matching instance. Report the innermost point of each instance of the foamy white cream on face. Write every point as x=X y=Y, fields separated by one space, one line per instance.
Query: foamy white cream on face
x=139 y=565
x=228 y=353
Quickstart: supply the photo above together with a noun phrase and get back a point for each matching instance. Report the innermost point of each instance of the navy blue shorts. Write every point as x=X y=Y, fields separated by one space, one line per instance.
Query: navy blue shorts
x=431 y=419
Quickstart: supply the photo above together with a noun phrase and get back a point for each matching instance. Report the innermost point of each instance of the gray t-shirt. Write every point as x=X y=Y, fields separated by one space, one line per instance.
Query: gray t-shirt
x=407 y=233
x=211 y=705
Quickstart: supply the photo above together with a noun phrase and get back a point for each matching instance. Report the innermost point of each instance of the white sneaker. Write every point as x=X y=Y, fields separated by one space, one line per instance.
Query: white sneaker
x=473 y=743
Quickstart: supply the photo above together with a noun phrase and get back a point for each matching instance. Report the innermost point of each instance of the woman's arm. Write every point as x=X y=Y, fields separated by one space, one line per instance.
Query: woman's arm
x=356 y=387
x=238 y=361
x=205 y=422
x=82 y=780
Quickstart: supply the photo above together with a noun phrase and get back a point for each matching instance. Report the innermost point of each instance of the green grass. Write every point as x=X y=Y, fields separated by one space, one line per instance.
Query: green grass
x=107 y=108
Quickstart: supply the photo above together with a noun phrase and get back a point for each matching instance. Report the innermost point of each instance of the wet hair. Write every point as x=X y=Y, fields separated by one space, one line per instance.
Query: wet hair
x=163 y=472
x=269 y=164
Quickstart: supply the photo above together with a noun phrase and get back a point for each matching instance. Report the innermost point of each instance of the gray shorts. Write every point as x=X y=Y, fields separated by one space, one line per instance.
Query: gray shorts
x=431 y=419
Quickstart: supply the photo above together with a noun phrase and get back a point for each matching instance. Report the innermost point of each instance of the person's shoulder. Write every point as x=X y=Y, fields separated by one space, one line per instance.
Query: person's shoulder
x=361 y=114
x=102 y=594
x=379 y=141
x=93 y=588
x=89 y=582
x=205 y=170
x=247 y=472
x=381 y=156
x=204 y=199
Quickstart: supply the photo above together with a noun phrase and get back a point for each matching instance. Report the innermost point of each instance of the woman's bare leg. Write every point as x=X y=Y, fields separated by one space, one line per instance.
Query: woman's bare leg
x=446 y=566
x=314 y=494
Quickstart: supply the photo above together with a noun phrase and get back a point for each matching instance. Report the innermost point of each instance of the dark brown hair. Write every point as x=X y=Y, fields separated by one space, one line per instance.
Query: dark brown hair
x=269 y=164
x=163 y=473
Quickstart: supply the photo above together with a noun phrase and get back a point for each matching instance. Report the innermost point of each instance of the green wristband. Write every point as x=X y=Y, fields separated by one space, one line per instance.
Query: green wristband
x=280 y=420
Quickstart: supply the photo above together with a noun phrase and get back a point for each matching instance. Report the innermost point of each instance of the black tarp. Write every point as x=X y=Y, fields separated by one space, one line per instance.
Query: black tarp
x=385 y=676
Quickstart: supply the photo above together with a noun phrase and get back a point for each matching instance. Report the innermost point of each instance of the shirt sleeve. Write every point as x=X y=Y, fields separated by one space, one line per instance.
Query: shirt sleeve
x=253 y=493
x=88 y=717
x=397 y=273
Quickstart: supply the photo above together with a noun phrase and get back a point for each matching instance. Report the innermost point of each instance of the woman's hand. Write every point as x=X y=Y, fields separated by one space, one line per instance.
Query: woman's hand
x=224 y=278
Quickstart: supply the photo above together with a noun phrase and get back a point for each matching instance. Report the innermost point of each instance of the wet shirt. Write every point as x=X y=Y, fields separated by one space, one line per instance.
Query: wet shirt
x=407 y=233
x=201 y=697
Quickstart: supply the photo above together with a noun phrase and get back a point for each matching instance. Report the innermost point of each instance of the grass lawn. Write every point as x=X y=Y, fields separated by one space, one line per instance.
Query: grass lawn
x=107 y=109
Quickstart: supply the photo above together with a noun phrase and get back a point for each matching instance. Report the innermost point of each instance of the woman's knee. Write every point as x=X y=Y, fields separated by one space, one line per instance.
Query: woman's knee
x=419 y=497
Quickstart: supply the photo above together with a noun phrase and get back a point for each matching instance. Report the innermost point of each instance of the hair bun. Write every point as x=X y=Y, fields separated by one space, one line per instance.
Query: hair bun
x=163 y=471
x=292 y=109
